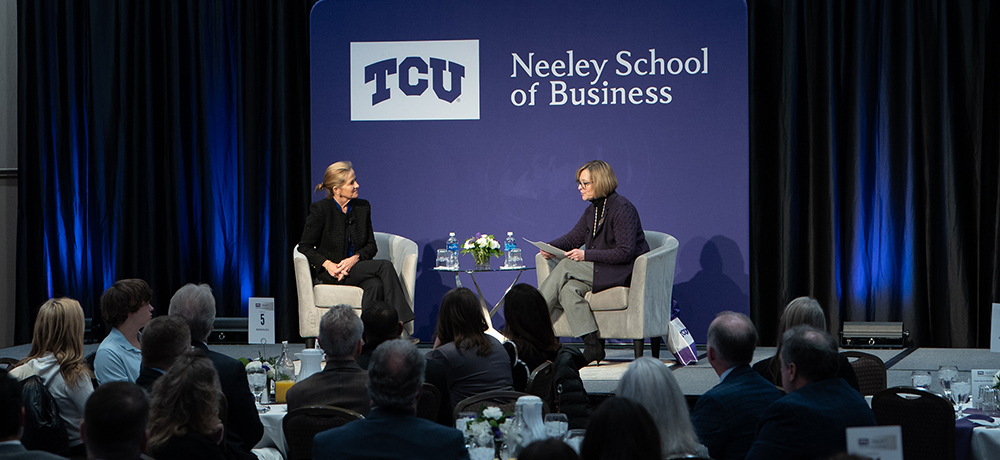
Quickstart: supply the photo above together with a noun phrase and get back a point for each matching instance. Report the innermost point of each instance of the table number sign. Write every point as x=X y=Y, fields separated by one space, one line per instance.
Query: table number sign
x=881 y=442
x=260 y=324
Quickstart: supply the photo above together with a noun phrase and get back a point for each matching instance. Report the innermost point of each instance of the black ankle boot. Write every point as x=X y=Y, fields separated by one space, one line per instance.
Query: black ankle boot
x=593 y=347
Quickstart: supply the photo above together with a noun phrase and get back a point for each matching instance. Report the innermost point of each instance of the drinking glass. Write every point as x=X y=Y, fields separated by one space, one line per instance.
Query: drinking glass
x=443 y=258
x=921 y=379
x=556 y=425
x=482 y=448
x=989 y=399
x=946 y=375
x=257 y=377
x=574 y=438
x=515 y=258
x=960 y=390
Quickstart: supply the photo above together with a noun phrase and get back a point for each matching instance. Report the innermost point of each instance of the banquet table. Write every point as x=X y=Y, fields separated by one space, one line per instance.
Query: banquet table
x=273 y=434
x=973 y=441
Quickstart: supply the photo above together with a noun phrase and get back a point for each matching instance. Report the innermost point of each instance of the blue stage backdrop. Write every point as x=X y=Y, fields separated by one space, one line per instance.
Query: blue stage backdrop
x=473 y=117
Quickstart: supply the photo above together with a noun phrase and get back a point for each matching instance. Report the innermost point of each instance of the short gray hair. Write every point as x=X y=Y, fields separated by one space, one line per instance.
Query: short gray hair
x=813 y=351
x=650 y=383
x=196 y=304
x=395 y=375
x=733 y=336
x=340 y=330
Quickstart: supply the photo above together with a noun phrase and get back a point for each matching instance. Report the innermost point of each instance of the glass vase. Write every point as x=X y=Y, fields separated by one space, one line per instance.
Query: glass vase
x=482 y=260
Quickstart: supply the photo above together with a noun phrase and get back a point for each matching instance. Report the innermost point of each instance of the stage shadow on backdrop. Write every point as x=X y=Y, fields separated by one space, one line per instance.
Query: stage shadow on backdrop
x=719 y=284
x=429 y=291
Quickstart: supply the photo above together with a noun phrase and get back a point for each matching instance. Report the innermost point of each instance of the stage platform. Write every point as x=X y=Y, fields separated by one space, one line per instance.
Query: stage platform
x=694 y=379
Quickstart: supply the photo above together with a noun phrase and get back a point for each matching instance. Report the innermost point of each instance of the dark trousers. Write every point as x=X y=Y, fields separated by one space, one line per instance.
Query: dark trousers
x=379 y=281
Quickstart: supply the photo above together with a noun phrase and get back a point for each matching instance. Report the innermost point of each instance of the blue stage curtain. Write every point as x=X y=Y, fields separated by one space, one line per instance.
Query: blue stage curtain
x=874 y=135
x=166 y=141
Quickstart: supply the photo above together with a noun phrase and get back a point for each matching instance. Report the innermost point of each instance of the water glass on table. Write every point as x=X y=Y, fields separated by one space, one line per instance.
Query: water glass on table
x=946 y=375
x=989 y=399
x=443 y=258
x=257 y=377
x=482 y=448
x=574 y=438
x=556 y=425
x=921 y=379
x=960 y=391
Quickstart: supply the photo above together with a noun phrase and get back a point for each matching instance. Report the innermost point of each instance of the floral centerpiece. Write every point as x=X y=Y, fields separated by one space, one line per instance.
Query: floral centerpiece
x=270 y=366
x=996 y=380
x=482 y=247
x=490 y=424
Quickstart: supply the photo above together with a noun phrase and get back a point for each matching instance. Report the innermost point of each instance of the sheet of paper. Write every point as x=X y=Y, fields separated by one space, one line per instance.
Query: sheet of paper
x=881 y=442
x=559 y=253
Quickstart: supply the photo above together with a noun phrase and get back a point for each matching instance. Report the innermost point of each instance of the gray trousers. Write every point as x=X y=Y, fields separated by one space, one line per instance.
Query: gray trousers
x=564 y=289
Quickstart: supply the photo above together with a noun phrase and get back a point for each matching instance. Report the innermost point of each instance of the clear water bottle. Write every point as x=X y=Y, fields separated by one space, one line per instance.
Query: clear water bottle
x=453 y=248
x=510 y=244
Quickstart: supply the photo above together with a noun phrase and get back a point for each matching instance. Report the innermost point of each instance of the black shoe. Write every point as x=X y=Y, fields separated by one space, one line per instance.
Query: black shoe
x=593 y=348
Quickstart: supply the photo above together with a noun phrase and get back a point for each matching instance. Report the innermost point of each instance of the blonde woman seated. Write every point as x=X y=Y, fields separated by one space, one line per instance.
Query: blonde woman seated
x=184 y=409
x=802 y=311
x=57 y=358
x=650 y=383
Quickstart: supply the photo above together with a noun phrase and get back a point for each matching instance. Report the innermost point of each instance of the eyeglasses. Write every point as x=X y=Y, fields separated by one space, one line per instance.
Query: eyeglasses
x=583 y=184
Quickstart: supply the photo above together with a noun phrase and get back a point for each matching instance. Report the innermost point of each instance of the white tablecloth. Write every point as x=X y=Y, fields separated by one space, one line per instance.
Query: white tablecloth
x=985 y=443
x=273 y=434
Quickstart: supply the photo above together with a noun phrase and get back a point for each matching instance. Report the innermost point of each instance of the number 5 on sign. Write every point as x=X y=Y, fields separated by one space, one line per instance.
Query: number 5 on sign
x=260 y=324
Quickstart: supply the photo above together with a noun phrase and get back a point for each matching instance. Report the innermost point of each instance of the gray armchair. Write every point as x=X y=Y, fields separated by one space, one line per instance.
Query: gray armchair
x=639 y=311
x=314 y=300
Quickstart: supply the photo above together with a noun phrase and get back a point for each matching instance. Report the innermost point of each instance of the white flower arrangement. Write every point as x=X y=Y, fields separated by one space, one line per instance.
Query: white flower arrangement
x=482 y=247
x=996 y=380
x=257 y=364
x=491 y=423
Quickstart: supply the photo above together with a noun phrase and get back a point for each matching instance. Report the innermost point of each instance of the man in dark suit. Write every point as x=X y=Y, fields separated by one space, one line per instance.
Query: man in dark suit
x=342 y=383
x=163 y=340
x=114 y=422
x=11 y=420
x=196 y=305
x=811 y=421
x=392 y=430
x=381 y=324
x=726 y=416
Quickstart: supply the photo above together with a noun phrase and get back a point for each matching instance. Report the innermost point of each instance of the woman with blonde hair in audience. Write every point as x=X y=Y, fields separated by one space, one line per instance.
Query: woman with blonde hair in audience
x=801 y=311
x=651 y=383
x=184 y=409
x=56 y=357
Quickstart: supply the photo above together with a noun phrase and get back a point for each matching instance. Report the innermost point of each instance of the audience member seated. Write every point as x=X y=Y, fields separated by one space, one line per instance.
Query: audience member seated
x=125 y=307
x=529 y=329
x=114 y=423
x=163 y=340
x=548 y=449
x=56 y=357
x=342 y=382
x=802 y=311
x=381 y=323
x=392 y=429
x=184 y=417
x=725 y=417
x=810 y=421
x=11 y=419
x=472 y=361
x=196 y=305
x=620 y=429
x=651 y=383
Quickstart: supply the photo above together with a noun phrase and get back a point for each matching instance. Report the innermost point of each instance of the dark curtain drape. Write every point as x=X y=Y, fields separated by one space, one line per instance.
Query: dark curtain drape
x=874 y=162
x=166 y=141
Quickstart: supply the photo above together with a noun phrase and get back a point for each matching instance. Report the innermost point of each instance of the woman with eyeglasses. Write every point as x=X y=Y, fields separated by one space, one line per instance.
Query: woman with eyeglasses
x=612 y=234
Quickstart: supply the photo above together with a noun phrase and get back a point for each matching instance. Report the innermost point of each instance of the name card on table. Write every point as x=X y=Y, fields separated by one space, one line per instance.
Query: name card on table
x=260 y=323
x=995 y=330
x=881 y=442
x=979 y=378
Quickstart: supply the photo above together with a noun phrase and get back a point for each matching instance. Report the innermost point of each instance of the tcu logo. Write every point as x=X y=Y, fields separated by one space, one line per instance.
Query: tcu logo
x=420 y=80
x=380 y=71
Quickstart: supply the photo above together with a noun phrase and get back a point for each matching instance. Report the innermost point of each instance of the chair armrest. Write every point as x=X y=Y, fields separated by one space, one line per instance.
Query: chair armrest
x=652 y=285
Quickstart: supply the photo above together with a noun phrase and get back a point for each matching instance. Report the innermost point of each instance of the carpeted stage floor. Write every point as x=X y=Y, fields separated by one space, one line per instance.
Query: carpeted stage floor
x=694 y=379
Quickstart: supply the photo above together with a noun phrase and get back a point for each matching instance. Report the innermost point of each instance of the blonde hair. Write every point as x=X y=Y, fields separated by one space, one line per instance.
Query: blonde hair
x=335 y=176
x=800 y=311
x=602 y=177
x=59 y=330
x=186 y=398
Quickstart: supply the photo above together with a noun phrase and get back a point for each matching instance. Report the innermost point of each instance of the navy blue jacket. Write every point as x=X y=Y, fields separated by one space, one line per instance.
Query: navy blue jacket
x=388 y=434
x=726 y=416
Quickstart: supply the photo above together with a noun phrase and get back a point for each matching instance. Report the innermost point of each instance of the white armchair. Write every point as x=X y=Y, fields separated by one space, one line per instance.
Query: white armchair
x=315 y=299
x=636 y=312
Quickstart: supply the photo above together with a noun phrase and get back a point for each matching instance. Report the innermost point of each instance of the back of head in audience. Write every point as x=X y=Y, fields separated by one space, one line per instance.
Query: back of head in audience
x=163 y=340
x=733 y=338
x=651 y=384
x=528 y=322
x=196 y=304
x=461 y=321
x=124 y=297
x=381 y=323
x=340 y=332
x=185 y=399
x=800 y=311
x=10 y=407
x=114 y=422
x=621 y=429
x=809 y=355
x=548 y=449
x=395 y=375
x=59 y=328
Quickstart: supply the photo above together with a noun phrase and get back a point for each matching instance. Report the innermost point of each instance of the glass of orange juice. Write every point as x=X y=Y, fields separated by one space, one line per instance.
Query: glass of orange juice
x=280 y=388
